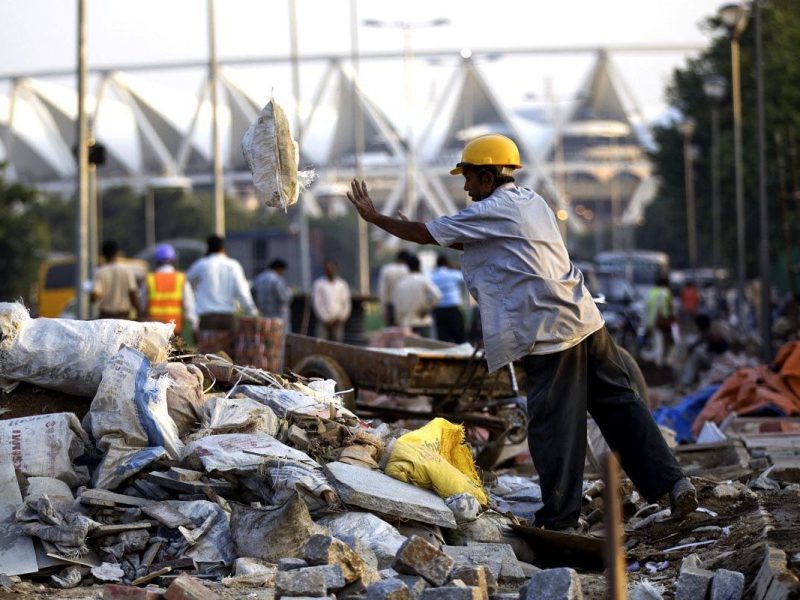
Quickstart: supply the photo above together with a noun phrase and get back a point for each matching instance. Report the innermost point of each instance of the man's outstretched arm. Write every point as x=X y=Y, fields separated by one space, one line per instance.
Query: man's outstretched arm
x=411 y=231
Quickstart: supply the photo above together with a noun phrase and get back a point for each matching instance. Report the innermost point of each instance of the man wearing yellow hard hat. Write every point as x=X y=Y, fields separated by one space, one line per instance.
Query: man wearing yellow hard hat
x=536 y=309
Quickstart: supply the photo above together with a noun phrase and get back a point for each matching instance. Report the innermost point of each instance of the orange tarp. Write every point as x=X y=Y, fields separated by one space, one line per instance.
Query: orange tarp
x=752 y=389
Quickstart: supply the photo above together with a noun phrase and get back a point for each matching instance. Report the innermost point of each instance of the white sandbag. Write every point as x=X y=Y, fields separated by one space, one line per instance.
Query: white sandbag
x=239 y=415
x=292 y=402
x=185 y=398
x=45 y=446
x=215 y=546
x=130 y=407
x=273 y=155
x=121 y=462
x=245 y=454
x=68 y=355
x=381 y=537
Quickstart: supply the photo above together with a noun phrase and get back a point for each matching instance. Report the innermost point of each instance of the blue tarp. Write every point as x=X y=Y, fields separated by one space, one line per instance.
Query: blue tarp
x=681 y=416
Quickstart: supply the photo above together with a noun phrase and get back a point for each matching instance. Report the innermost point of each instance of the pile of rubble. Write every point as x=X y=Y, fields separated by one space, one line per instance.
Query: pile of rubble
x=193 y=477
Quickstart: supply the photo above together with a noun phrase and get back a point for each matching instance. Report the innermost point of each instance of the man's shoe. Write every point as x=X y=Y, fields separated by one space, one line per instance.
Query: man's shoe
x=683 y=498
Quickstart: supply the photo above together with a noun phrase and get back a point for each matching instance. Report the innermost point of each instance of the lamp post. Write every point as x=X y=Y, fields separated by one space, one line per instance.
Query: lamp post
x=407 y=27
x=686 y=129
x=213 y=76
x=715 y=88
x=763 y=216
x=82 y=205
x=734 y=17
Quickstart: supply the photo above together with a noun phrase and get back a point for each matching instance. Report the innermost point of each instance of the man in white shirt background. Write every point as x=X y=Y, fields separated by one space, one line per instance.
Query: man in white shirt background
x=414 y=297
x=331 y=303
x=388 y=277
x=220 y=288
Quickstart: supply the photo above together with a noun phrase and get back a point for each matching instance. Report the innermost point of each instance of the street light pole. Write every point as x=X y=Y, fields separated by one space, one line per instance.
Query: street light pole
x=763 y=216
x=714 y=87
x=213 y=74
x=82 y=207
x=363 y=231
x=734 y=16
x=686 y=129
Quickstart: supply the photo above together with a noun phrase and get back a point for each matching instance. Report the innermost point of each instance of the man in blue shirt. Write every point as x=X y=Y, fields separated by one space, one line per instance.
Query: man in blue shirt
x=536 y=309
x=447 y=315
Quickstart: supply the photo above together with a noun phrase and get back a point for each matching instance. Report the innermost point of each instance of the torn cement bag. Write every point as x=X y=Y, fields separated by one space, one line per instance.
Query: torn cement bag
x=185 y=398
x=45 y=446
x=294 y=402
x=288 y=469
x=215 y=546
x=239 y=415
x=69 y=355
x=381 y=537
x=273 y=155
x=67 y=532
x=273 y=532
x=121 y=462
x=131 y=406
x=436 y=457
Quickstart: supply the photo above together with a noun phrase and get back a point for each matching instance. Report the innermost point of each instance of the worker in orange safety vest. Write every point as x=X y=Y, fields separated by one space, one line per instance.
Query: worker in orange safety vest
x=167 y=295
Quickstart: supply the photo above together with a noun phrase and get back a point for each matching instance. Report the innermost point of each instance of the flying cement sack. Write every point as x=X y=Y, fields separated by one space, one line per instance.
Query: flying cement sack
x=273 y=156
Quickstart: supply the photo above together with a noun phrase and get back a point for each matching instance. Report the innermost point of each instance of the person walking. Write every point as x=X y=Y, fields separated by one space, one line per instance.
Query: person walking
x=331 y=303
x=273 y=295
x=167 y=295
x=388 y=277
x=659 y=319
x=220 y=289
x=414 y=297
x=536 y=309
x=114 y=287
x=448 y=314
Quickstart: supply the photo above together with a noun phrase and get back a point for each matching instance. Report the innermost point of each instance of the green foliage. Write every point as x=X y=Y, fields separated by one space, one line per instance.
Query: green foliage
x=665 y=220
x=24 y=240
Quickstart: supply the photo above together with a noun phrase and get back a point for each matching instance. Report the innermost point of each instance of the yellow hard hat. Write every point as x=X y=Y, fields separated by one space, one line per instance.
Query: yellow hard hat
x=490 y=149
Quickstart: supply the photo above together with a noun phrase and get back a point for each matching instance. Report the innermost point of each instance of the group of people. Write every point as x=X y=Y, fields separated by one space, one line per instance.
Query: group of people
x=431 y=306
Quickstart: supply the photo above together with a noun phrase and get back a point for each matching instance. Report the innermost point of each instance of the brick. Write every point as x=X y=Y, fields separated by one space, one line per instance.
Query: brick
x=113 y=591
x=727 y=585
x=325 y=550
x=555 y=584
x=188 y=588
x=419 y=557
x=693 y=583
x=388 y=589
x=300 y=582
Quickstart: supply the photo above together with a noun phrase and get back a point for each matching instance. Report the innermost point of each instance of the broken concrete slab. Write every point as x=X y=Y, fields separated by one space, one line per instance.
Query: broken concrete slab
x=17 y=554
x=419 y=557
x=555 y=584
x=377 y=492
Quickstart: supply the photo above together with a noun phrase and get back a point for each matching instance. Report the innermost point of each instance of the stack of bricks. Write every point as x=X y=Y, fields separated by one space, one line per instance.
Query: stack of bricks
x=210 y=342
x=259 y=343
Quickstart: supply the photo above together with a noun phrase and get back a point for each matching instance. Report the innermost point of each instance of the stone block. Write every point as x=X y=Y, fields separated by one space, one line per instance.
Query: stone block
x=388 y=589
x=727 y=585
x=475 y=576
x=693 y=583
x=326 y=550
x=332 y=574
x=499 y=559
x=415 y=584
x=114 y=591
x=419 y=557
x=185 y=587
x=290 y=564
x=300 y=582
x=774 y=579
x=555 y=584
x=451 y=592
x=377 y=492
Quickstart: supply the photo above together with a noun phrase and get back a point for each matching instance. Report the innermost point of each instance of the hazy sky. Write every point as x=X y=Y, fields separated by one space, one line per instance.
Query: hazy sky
x=40 y=35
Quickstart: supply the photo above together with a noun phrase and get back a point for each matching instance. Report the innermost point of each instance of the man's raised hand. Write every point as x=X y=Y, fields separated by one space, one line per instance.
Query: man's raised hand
x=361 y=200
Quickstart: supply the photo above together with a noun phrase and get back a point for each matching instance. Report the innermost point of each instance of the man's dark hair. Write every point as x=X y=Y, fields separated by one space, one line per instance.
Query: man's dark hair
x=494 y=171
x=413 y=264
x=215 y=244
x=109 y=250
x=442 y=261
x=402 y=256
x=277 y=264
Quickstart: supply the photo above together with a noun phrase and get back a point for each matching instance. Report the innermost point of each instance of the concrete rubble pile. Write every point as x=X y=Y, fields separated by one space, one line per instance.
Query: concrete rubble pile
x=194 y=477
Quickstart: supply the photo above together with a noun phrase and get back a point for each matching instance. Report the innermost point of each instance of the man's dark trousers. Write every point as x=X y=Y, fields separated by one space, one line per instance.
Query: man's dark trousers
x=561 y=388
x=449 y=324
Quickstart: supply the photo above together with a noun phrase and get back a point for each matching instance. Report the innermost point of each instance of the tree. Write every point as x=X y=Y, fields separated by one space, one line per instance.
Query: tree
x=665 y=220
x=24 y=240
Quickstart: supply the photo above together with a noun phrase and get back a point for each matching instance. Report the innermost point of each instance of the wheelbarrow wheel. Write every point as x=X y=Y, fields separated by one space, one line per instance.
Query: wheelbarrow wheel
x=324 y=367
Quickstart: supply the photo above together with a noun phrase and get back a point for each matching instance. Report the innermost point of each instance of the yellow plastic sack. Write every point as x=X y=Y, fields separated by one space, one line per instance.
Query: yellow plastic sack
x=436 y=457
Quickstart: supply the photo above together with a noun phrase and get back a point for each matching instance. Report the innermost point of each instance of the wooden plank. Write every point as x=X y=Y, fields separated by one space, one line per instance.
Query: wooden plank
x=614 y=558
x=105 y=498
x=17 y=554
